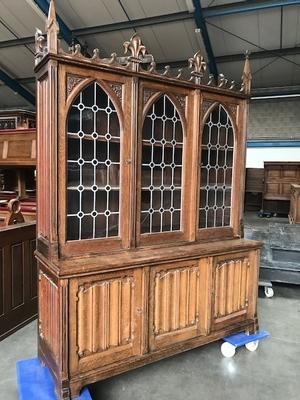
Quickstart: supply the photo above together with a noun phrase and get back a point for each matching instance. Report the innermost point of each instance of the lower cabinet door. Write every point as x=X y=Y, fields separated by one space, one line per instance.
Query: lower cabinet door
x=175 y=302
x=234 y=288
x=105 y=319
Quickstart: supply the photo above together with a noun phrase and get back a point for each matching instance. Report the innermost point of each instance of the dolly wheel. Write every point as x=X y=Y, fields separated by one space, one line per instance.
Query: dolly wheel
x=227 y=350
x=269 y=292
x=252 y=346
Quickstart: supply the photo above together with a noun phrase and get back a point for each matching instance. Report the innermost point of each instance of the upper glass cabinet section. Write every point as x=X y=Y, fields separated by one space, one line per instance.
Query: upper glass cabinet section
x=93 y=166
x=161 y=176
x=216 y=170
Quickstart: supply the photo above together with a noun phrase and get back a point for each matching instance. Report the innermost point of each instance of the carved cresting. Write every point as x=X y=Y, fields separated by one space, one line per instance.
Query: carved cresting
x=135 y=56
x=176 y=299
x=105 y=312
x=231 y=287
x=198 y=66
x=137 y=50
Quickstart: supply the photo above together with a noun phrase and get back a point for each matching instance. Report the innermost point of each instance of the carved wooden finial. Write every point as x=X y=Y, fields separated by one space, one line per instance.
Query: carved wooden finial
x=247 y=77
x=40 y=45
x=52 y=29
x=137 y=50
x=198 y=66
x=15 y=216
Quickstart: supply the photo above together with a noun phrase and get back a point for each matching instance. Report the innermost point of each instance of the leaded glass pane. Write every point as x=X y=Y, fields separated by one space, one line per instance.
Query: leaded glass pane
x=93 y=170
x=216 y=170
x=161 y=179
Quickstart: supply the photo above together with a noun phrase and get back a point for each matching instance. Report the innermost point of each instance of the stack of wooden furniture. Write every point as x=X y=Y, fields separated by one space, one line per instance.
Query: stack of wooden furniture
x=18 y=161
x=279 y=176
x=140 y=207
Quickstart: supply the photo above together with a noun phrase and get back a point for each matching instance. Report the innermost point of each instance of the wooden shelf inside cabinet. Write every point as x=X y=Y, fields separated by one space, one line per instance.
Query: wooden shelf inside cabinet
x=139 y=245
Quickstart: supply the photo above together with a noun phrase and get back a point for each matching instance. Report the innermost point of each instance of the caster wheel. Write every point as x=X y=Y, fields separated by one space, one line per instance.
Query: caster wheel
x=227 y=350
x=252 y=346
x=269 y=292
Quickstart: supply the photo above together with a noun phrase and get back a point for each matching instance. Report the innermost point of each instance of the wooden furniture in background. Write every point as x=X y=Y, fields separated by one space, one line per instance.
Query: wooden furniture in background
x=18 y=277
x=12 y=119
x=294 y=214
x=140 y=204
x=18 y=147
x=254 y=188
x=18 y=161
x=278 y=179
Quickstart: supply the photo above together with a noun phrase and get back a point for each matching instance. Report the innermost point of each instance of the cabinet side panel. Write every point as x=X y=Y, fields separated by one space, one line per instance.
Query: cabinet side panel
x=48 y=314
x=43 y=159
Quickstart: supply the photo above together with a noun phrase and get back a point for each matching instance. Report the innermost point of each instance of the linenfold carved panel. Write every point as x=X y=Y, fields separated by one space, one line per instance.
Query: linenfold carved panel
x=105 y=318
x=176 y=299
x=231 y=287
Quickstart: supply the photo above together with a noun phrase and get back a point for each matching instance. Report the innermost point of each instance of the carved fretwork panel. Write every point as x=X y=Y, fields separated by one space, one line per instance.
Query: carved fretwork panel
x=231 y=288
x=48 y=311
x=72 y=82
x=105 y=315
x=176 y=295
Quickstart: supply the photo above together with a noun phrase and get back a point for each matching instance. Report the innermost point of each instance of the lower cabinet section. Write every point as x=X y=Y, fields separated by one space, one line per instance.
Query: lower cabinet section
x=106 y=319
x=113 y=322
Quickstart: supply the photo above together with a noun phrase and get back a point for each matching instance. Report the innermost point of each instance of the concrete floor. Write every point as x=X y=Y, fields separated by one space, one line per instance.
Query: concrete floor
x=270 y=373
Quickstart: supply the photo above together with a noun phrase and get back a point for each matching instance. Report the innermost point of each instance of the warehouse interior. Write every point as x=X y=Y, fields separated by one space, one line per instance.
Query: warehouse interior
x=190 y=57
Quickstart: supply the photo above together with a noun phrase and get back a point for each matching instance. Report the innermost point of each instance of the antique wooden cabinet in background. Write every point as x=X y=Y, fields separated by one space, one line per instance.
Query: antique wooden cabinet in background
x=279 y=176
x=141 y=181
x=294 y=214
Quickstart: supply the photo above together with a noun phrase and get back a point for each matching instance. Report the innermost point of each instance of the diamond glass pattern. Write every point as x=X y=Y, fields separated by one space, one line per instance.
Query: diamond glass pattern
x=216 y=170
x=93 y=166
x=162 y=145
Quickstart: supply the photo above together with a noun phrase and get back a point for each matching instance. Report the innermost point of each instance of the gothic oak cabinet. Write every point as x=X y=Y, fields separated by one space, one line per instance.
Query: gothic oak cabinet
x=141 y=180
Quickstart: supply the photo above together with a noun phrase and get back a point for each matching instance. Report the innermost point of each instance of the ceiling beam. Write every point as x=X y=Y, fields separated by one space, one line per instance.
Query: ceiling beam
x=14 y=85
x=290 y=51
x=201 y=24
x=246 y=7
x=208 y=12
x=255 y=55
x=134 y=23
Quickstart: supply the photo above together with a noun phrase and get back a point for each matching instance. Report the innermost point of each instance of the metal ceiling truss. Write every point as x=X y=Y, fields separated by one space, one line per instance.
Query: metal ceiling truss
x=201 y=24
x=246 y=7
x=208 y=12
x=14 y=85
x=200 y=15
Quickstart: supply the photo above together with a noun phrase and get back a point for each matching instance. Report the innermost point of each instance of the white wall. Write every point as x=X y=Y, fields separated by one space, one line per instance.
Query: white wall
x=257 y=155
